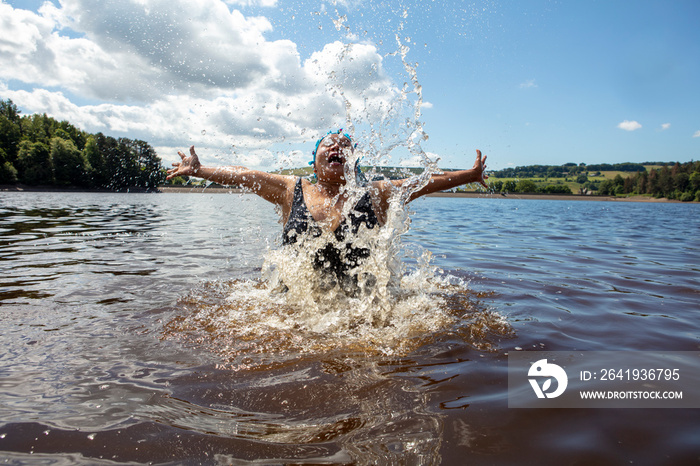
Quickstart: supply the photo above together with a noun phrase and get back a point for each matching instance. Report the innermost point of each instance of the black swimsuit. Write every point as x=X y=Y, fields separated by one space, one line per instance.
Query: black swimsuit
x=331 y=258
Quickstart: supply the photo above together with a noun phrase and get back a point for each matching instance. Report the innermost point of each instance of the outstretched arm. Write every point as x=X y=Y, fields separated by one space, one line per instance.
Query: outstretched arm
x=444 y=181
x=453 y=179
x=384 y=190
x=271 y=187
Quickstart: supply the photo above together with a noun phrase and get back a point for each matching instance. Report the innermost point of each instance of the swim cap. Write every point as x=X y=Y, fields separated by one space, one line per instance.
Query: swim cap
x=318 y=143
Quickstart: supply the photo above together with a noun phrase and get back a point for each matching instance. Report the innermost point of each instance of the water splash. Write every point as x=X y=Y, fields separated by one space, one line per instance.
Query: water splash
x=379 y=305
x=295 y=310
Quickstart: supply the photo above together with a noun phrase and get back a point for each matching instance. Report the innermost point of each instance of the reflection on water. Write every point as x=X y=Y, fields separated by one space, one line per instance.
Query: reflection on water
x=126 y=336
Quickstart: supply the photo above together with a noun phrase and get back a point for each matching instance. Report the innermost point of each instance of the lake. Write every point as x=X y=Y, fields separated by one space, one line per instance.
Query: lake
x=133 y=332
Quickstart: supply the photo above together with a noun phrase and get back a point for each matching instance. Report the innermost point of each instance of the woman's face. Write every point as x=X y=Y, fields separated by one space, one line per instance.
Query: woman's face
x=331 y=155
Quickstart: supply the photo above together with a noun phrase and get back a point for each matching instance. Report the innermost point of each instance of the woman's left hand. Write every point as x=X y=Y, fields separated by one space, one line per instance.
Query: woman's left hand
x=480 y=168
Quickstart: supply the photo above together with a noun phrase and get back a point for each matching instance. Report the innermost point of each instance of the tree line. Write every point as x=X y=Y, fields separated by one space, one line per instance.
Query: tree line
x=568 y=169
x=527 y=186
x=39 y=150
x=679 y=181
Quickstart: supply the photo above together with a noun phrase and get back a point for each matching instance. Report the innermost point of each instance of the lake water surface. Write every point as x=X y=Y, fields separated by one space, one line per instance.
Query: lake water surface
x=122 y=338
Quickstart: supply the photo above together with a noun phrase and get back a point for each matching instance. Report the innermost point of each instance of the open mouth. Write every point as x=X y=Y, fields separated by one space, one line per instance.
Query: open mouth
x=335 y=158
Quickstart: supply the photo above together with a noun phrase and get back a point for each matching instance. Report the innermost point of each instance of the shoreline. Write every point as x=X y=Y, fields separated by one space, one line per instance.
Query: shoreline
x=458 y=195
x=559 y=197
x=467 y=195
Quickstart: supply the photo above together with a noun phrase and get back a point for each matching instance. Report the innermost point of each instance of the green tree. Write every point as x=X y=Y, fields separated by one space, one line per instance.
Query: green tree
x=8 y=172
x=509 y=186
x=607 y=188
x=496 y=186
x=591 y=186
x=618 y=180
x=120 y=168
x=582 y=178
x=67 y=131
x=10 y=130
x=682 y=181
x=150 y=173
x=95 y=163
x=70 y=165
x=665 y=182
x=557 y=189
x=178 y=181
x=37 y=128
x=687 y=196
x=694 y=181
x=526 y=186
x=653 y=183
x=642 y=183
x=34 y=163
x=10 y=110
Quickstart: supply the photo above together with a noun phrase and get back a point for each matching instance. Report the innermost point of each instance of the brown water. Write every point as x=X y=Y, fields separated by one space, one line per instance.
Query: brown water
x=133 y=332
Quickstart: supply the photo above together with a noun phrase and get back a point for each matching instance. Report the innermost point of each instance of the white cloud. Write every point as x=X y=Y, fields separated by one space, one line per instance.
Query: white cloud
x=530 y=83
x=413 y=161
x=263 y=3
x=665 y=126
x=697 y=134
x=181 y=72
x=135 y=50
x=418 y=160
x=629 y=125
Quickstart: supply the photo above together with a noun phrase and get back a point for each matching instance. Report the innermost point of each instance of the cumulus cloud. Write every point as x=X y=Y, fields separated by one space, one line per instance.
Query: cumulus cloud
x=180 y=72
x=136 y=50
x=697 y=134
x=665 y=126
x=629 y=125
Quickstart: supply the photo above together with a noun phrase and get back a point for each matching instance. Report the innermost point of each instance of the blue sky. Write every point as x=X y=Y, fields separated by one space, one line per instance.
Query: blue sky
x=254 y=82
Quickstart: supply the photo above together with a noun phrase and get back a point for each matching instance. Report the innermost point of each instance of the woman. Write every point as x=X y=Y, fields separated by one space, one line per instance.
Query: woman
x=310 y=209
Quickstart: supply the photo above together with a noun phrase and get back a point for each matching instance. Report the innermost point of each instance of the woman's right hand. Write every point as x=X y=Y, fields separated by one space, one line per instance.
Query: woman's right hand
x=188 y=167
